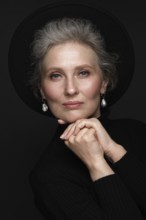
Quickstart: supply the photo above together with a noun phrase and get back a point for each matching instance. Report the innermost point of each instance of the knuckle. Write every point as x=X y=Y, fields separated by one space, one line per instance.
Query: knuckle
x=92 y=131
x=71 y=139
x=77 y=139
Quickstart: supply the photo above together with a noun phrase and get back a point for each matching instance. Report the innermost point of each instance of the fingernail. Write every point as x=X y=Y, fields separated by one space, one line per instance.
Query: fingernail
x=62 y=136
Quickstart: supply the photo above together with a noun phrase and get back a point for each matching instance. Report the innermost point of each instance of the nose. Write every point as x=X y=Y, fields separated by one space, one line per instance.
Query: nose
x=71 y=87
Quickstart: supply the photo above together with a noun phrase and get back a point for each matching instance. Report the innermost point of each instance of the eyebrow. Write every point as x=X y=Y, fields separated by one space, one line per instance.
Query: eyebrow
x=76 y=68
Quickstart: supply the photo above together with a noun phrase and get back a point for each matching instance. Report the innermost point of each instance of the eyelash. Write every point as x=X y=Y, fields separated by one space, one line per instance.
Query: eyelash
x=83 y=73
x=54 y=75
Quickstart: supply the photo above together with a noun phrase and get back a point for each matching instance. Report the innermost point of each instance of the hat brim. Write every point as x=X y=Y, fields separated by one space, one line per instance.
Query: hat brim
x=116 y=38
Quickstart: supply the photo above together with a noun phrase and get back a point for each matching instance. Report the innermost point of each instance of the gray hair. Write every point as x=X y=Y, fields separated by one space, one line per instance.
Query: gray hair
x=68 y=29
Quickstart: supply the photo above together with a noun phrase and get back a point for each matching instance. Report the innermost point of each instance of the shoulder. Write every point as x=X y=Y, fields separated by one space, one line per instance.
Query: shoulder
x=130 y=133
x=129 y=125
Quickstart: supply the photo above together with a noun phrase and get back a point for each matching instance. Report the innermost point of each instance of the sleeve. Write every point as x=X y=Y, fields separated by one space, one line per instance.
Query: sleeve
x=133 y=173
x=132 y=167
x=67 y=200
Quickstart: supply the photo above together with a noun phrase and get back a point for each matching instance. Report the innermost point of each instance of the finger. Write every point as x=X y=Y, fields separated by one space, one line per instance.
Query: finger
x=91 y=131
x=79 y=126
x=67 y=131
x=60 y=121
x=71 y=130
x=101 y=134
x=88 y=123
x=75 y=128
x=66 y=143
x=84 y=132
x=75 y=139
x=87 y=132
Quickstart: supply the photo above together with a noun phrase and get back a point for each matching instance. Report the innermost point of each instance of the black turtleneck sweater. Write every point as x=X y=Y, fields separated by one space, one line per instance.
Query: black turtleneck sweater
x=63 y=189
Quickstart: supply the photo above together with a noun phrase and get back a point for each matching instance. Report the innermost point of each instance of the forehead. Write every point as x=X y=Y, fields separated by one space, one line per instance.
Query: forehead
x=70 y=52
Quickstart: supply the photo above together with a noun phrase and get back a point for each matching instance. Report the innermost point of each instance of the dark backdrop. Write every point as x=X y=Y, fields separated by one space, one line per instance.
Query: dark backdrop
x=24 y=133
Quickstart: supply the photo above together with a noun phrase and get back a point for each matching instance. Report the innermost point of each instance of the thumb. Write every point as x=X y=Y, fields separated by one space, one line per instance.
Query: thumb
x=62 y=122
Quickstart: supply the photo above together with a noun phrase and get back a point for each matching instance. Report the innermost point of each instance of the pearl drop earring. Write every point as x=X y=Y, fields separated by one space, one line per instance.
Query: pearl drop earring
x=44 y=106
x=103 y=101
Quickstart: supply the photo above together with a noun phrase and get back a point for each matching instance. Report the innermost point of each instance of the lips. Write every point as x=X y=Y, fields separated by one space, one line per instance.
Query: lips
x=72 y=104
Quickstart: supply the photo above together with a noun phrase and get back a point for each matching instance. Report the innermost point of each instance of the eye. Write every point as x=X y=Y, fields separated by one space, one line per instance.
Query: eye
x=55 y=76
x=84 y=73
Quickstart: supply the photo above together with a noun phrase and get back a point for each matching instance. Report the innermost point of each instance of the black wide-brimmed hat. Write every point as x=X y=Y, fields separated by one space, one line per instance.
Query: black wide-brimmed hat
x=115 y=35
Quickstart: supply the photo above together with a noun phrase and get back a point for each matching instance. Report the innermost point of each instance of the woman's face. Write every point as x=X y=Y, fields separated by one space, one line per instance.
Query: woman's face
x=71 y=81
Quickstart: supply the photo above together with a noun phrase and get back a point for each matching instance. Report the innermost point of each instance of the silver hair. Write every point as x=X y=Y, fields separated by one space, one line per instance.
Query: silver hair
x=69 y=29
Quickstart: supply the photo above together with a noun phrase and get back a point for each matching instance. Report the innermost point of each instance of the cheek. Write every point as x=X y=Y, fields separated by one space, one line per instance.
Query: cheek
x=92 y=89
x=50 y=92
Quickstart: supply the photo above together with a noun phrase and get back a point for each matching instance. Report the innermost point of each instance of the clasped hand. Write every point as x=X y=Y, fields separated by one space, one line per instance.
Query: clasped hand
x=90 y=142
x=88 y=139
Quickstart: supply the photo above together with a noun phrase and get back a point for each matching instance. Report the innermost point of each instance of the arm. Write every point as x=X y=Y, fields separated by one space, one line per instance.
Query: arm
x=66 y=198
x=130 y=169
x=133 y=173
x=80 y=201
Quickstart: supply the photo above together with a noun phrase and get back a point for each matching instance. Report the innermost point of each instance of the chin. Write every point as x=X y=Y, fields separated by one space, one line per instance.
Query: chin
x=72 y=118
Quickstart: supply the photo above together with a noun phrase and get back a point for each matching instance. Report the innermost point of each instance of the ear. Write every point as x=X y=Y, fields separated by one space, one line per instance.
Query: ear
x=103 y=86
x=41 y=92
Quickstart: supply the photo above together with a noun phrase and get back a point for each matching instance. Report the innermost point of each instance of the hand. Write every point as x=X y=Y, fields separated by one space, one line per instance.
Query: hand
x=111 y=149
x=85 y=145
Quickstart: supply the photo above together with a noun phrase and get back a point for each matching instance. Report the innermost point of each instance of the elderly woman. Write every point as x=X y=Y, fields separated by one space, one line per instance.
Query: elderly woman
x=93 y=168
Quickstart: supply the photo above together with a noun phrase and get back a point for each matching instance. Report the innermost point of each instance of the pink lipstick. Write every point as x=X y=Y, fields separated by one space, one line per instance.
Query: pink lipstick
x=72 y=104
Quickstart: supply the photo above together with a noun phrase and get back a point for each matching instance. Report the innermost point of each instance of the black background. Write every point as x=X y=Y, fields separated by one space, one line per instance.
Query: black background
x=25 y=133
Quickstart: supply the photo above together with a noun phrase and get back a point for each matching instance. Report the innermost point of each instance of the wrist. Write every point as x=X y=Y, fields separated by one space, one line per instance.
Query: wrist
x=116 y=153
x=100 y=169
